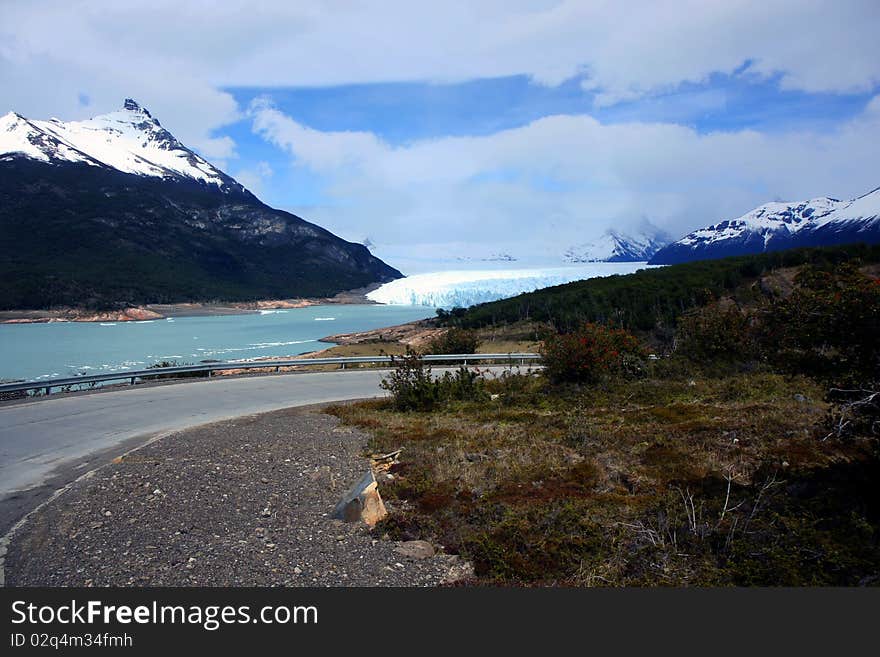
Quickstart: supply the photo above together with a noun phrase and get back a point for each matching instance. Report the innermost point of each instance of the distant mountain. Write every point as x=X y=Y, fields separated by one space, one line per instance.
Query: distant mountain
x=115 y=210
x=615 y=246
x=778 y=226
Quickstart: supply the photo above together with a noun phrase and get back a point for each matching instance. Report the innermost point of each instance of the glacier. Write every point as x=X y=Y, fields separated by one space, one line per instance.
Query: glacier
x=448 y=289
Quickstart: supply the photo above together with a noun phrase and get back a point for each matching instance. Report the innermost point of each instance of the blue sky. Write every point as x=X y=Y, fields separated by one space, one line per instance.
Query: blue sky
x=469 y=128
x=402 y=113
x=405 y=111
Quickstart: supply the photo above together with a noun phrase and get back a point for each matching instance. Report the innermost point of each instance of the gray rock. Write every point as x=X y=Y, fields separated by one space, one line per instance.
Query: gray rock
x=415 y=549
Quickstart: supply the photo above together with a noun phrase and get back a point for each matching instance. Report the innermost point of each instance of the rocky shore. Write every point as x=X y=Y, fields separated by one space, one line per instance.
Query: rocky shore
x=413 y=334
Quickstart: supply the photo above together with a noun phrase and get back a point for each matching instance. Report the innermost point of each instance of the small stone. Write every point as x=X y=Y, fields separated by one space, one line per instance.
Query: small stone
x=297 y=570
x=158 y=491
x=108 y=513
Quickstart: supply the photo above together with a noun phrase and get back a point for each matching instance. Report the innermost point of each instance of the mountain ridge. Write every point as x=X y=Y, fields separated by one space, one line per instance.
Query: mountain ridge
x=115 y=211
x=778 y=226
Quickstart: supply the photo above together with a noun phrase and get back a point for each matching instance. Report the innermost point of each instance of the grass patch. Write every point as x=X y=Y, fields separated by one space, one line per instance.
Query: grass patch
x=660 y=481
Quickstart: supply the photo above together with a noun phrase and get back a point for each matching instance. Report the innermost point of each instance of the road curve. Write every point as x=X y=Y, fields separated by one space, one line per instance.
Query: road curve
x=38 y=437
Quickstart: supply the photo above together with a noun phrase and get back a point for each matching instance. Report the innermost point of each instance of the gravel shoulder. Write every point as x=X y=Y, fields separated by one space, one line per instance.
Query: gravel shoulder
x=244 y=502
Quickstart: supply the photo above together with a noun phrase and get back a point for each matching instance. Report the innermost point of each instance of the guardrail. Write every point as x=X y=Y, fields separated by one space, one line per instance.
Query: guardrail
x=134 y=375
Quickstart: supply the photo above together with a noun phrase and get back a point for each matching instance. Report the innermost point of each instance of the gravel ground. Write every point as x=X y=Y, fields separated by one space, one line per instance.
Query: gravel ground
x=245 y=502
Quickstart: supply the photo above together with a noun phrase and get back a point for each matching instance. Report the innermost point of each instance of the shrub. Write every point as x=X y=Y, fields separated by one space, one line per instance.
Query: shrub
x=410 y=383
x=414 y=388
x=828 y=326
x=716 y=332
x=592 y=352
x=179 y=375
x=454 y=341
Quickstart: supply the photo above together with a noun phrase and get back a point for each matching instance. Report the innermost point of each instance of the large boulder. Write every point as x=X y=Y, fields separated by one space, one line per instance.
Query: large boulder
x=362 y=502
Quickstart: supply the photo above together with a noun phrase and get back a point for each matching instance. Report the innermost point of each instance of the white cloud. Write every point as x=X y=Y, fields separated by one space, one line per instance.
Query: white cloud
x=556 y=179
x=174 y=55
x=563 y=179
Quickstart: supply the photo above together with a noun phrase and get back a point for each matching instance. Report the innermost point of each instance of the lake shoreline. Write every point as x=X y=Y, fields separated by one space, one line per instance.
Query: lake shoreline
x=47 y=350
x=153 y=311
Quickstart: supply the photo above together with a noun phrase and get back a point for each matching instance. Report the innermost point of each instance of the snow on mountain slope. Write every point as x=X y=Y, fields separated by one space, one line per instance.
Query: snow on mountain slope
x=777 y=226
x=766 y=220
x=864 y=209
x=129 y=140
x=614 y=246
x=447 y=289
x=18 y=136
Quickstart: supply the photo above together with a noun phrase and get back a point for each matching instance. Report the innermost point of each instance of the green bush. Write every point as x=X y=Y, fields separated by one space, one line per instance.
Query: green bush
x=178 y=375
x=414 y=388
x=828 y=327
x=716 y=332
x=590 y=353
x=454 y=341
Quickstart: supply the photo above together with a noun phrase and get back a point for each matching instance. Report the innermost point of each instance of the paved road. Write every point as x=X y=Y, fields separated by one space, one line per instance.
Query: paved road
x=70 y=431
x=38 y=437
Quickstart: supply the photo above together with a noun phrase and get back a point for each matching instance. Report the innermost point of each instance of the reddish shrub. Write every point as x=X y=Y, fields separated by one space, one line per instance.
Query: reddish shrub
x=592 y=352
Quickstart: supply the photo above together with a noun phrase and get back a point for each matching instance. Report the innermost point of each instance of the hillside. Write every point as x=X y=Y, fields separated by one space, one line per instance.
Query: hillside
x=648 y=299
x=745 y=453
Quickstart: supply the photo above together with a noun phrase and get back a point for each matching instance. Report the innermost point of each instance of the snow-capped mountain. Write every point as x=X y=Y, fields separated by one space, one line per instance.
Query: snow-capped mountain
x=614 y=246
x=129 y=140
x=777 y=226
x=115 y=210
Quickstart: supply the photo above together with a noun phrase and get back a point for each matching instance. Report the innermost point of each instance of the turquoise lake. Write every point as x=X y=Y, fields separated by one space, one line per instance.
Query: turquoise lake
x=63 y=349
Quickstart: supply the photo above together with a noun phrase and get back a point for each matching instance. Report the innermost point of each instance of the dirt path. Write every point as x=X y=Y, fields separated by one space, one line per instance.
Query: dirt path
x=237 y=503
